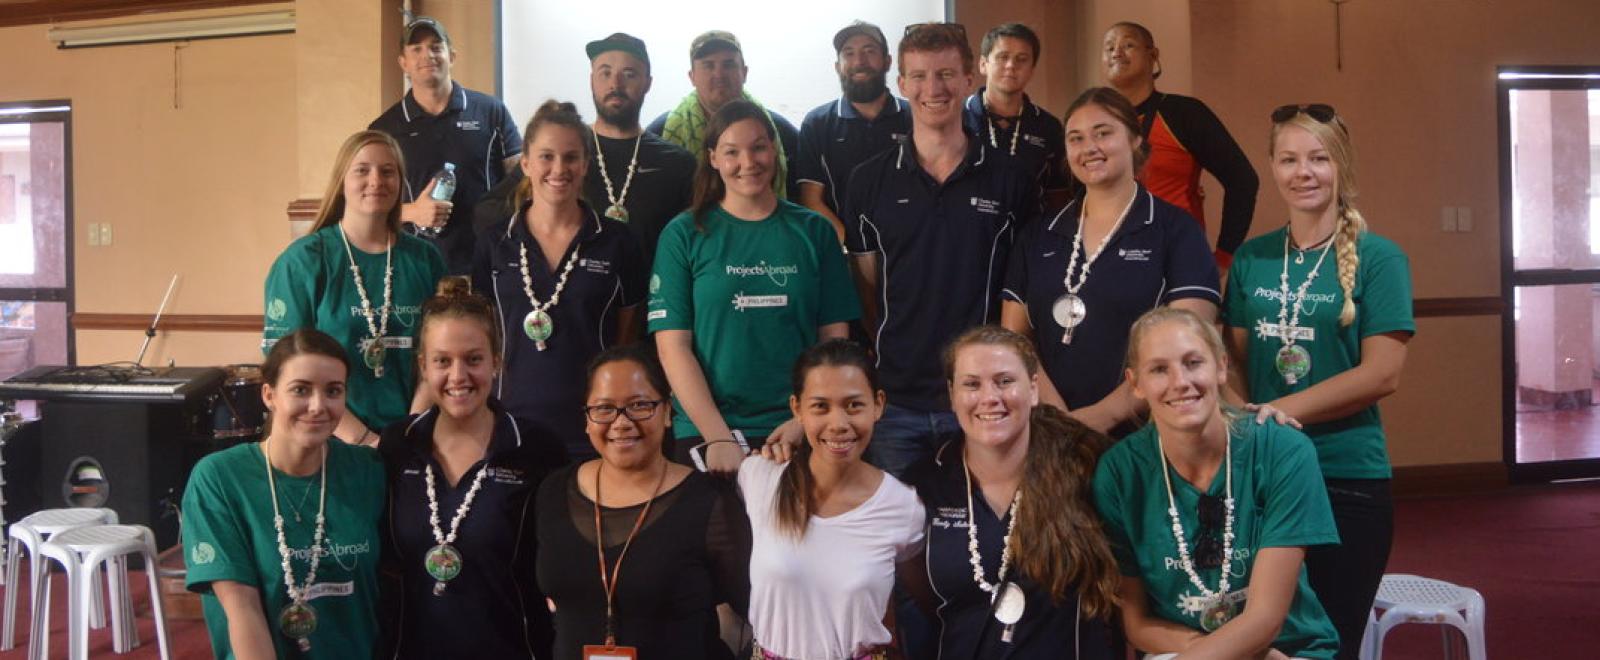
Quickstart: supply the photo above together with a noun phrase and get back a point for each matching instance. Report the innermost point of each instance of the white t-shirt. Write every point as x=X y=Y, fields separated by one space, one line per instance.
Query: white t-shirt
x=824 y=597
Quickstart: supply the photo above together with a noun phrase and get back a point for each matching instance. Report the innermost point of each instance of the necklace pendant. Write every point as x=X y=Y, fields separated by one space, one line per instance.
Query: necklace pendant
x=297 y=621
x=1069 y=311
x=443 y=563
x=1218 y=611
x=1009 y=604
x=538 y=326
x=372 y=354
x=617 y=212
x=1300 y=258
x=1293 y=361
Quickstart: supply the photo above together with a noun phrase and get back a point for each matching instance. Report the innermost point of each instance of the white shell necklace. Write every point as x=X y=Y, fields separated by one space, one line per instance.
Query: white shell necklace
x=616 y=210
x=1291 y=361
x=537 y=324
x=298 y=620
x=372 y=348
x=443 y=561
x=1227 y=524
x=1070 y=310
x=973 y=556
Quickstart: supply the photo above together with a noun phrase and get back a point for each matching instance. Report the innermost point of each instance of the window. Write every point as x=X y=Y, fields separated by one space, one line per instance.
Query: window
x=35 y=235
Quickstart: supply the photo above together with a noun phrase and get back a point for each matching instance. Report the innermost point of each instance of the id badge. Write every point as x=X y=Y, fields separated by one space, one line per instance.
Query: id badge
x=603 y=652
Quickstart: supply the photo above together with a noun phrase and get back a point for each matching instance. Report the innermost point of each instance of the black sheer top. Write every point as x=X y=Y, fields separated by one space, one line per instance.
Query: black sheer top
x=692 y=554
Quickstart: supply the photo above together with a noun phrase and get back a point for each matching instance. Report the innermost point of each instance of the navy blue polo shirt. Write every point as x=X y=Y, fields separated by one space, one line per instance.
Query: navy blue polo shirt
x=494 y=608
x=477 y=133
x=942 y=250
x=548 y=386
x=835 y=138
x=965 y=625
x=1158 y=255
x=1042 y=147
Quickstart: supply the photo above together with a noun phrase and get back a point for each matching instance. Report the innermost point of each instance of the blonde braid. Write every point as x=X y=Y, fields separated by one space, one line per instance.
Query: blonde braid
x=1351 y=226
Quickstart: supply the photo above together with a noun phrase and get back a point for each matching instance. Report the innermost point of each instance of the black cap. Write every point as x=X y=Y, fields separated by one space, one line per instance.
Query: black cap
x=408 y=35
x=859 y=27
x=626 y=43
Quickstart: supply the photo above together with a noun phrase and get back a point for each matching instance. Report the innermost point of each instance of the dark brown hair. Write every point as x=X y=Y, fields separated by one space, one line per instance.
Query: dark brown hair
x=303 y=341
x=1060 y=542
x=454 y=299
x=551 y=113
x=708 y=187
x=1013 y=30
x=1118 y=106
x=795 y=498
x=332 y=209
x=638 y=354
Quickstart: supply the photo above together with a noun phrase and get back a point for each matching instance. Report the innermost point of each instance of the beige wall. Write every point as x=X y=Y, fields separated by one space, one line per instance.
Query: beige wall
x=197 y=189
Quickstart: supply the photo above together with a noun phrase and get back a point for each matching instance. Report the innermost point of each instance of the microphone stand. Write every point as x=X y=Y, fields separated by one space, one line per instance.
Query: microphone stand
x=150 y=332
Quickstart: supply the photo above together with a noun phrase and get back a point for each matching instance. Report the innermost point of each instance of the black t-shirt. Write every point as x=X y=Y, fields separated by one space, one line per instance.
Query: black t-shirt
x=1158 y=255
x=477 y=134
x=834 y=139
x=692 y=553
x=660 y=190
x=547 y=386
x=942 y=250
x=494 y=608
x=967 y=628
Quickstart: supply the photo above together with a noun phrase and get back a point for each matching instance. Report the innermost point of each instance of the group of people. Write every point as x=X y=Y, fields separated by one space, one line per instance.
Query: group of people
x=1023 y=419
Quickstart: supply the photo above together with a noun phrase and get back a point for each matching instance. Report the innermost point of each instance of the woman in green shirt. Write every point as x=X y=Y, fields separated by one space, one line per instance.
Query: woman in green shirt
x=359 y=279
x=744 y=282
x=1318 y=316
x=281 y=536
x=1210 y=514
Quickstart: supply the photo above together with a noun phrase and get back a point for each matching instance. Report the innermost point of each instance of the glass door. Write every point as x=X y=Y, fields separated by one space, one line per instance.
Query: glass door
x=1550 y=206
x=35 y=235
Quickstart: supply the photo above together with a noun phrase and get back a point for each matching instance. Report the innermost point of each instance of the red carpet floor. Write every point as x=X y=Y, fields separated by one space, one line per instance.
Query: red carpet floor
x=1533 y=551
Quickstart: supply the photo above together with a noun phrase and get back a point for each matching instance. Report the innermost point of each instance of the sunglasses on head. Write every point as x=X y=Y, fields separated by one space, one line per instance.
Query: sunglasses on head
x=1208 y=544
x=1319 y=111
x=957 y=28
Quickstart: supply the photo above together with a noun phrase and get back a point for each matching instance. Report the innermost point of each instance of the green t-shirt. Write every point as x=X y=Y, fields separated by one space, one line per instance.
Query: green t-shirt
x=1351 y=447
x=310 y=285
x=1279 y=501
x=228 y=535
x=753 y=293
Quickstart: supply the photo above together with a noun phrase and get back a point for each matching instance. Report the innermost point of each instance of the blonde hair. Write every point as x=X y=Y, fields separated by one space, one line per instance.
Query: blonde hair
x=332 y=209
x=1335 y=137
x=1205 y=330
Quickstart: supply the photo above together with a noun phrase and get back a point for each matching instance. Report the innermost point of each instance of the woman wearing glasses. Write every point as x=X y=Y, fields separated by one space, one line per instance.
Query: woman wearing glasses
x=460 y=524
x=743 y=283
x=635 y=552
x=1184 y=137
x=1210 y=514
x=1318 y=316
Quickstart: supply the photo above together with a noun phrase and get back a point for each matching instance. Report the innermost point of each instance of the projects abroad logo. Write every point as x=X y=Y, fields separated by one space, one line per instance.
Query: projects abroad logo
x=406 y=315
x=778 y=274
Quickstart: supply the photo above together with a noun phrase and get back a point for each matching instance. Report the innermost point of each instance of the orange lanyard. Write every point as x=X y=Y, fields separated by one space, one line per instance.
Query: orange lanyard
x=610 y=583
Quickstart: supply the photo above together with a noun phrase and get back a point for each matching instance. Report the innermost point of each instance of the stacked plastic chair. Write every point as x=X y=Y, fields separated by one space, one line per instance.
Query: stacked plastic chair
x=1412 y=599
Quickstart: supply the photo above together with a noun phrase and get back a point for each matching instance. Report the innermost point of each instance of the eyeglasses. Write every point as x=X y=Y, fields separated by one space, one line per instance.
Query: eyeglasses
x=1207 y=545
x=635 y=411
x=1319 y=111
x=955 y=28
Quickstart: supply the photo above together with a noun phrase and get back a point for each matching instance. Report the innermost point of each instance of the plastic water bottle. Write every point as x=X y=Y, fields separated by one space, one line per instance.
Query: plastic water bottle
x=444 y=188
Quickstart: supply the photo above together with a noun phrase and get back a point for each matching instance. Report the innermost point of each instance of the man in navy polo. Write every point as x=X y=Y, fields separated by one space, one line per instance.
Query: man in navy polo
x=1001 y=114
x=930 y=224
x=843 y=133
x=439 y=122
x=717 y=71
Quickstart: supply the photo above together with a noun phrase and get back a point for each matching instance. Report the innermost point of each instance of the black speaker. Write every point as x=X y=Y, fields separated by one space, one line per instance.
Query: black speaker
x=130 y=457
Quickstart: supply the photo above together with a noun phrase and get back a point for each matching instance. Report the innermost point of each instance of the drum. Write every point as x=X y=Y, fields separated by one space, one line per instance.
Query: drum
x=237 y=412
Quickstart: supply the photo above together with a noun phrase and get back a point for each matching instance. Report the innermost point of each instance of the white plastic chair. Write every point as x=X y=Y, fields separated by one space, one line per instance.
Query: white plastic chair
x=1413 y=599
x=30 y=534
x=83 y=549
